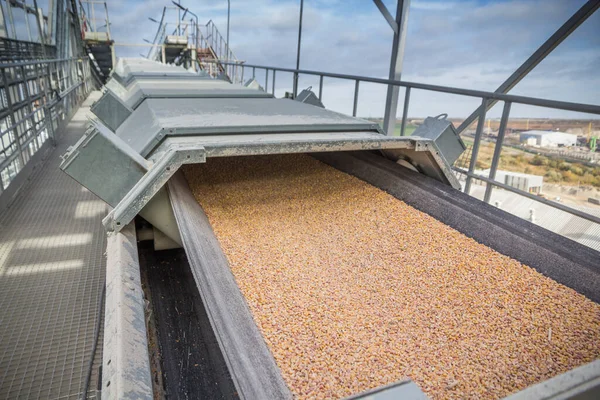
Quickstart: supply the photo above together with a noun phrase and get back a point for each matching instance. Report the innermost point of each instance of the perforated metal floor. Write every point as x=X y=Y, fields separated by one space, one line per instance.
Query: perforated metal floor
x=52 y=268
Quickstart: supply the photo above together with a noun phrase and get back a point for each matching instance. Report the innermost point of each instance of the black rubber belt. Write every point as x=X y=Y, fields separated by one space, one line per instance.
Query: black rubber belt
x=250 y=362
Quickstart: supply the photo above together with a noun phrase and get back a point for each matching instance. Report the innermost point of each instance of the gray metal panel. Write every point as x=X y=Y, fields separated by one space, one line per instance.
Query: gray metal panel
x=309 y=97
x=422 y=153
x=125 y=363
x=443 y=133
x=111 y=110
x=101 y=162
x=405 y=390
x=190 y=88
x=156 y=118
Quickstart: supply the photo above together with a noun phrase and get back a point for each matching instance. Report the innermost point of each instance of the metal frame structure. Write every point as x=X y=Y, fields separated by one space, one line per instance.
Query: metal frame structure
x=37 y=93
x=485 y=97
x=35 y=96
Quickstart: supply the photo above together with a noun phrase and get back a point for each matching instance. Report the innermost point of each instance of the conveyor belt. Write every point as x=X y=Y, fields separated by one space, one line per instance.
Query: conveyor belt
x=568 y=263
x=52 y=266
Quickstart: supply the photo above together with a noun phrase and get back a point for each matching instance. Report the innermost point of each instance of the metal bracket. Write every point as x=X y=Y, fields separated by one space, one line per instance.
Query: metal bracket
x=145 y=189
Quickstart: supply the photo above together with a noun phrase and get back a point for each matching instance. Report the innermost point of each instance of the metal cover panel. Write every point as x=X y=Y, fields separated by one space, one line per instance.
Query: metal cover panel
x=131 y=77
x=443 y=133
x=156 y=118
x=189 y=88
x=103 y=164
x=111 y=110
x=128 y=66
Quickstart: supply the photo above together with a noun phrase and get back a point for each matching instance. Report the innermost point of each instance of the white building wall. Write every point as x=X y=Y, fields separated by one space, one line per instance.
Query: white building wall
x=548 y=139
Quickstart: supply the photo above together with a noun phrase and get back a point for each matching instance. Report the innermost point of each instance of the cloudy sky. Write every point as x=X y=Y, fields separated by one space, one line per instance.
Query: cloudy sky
x=471 y=44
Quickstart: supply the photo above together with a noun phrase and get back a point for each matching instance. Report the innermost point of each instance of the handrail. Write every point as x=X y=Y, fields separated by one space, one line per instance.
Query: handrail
x=39 y=107
x=219 y=48
x=483 y=95
x=561 y=105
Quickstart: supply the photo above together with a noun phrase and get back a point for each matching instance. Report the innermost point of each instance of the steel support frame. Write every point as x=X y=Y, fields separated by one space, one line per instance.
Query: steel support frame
x=539 y=55
x=476 y=144
x=397 y=58
x=497 y=150
x=488 y=96
x=126 y=372
x=295 y=87
x=18 y=79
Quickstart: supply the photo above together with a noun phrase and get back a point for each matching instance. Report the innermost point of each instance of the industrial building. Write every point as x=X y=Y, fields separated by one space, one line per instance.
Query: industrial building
x=548 y=139
x=526 y=182
x=168 y=231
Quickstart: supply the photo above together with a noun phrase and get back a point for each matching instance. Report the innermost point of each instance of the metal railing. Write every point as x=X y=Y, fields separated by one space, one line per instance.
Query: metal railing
x=214 y=54
x=484 y=96
x=35 y=96
x=88 y=19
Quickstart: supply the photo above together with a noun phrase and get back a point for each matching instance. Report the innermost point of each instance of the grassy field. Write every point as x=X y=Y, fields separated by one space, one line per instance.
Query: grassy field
x=408 y=130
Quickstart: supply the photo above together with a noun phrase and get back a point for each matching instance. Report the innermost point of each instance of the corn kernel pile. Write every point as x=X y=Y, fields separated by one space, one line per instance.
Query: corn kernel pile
x=353 y=289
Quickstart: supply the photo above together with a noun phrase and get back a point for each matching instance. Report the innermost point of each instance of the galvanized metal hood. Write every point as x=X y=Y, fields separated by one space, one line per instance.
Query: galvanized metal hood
x=156 y=119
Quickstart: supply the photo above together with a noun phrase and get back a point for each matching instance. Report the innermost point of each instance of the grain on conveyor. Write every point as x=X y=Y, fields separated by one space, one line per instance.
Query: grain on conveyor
x=353 y=289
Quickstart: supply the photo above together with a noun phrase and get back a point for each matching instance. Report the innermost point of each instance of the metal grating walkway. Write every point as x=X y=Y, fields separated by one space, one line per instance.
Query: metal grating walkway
x=52 y=266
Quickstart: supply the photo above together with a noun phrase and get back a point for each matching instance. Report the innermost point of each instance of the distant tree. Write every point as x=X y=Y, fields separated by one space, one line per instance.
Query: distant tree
x=568 y=176
x=538 y=160
x=564 y=166
x=553 y=176
x=576 y=170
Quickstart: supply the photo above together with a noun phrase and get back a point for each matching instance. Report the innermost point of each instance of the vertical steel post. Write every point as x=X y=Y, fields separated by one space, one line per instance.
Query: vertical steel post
x=9 y=103
x=497 y=151
x=391 y=102
x=3 y=25
x=27 y=25
x=11 y=20
x=321 y=87
x=40 y=30
x=405 y=111
x=298 y=51
x=273 y=85
x=228 y=12
x=476 y=143
x=93 y=17
x=355 y=98
x=266 y=79
x=50 y=23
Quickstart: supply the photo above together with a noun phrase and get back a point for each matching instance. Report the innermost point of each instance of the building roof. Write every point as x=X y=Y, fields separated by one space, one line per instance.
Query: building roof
x=553 y=219
x=544 y=133
x=486 y=172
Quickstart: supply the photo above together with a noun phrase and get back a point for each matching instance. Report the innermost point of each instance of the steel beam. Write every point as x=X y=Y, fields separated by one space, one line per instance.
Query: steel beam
x=497 y=151
x=476 y=143
x=391 y=102
x=298 y=51
x=549 y=45
x=386 y=14
x=126 y=372
x=3 y=30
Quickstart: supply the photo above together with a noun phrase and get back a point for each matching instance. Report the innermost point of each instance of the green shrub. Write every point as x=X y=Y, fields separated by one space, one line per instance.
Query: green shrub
x=576 y=170
x=553 y=176
x=538 y=160
x=564 y=166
